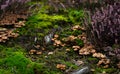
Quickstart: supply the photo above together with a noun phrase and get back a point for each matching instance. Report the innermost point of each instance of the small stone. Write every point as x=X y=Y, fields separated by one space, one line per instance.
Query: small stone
x=84 y=70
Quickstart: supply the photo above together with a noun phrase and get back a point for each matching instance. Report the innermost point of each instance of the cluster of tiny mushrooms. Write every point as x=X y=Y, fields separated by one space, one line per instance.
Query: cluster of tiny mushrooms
x=8 y=25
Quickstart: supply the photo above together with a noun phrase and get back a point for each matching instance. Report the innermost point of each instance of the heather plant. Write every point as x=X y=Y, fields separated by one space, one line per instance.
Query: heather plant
x=104 y=28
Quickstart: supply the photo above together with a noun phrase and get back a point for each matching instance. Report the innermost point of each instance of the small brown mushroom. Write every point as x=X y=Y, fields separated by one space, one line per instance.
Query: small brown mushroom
x=71 y=38
x=99 y=55
x=67 y=49
x=104 y=61
x=4 y=37
x=76 y=48
x=32 y=51
x=56 y=36
x=118 y=65
x=38 y=53
x=61 y=66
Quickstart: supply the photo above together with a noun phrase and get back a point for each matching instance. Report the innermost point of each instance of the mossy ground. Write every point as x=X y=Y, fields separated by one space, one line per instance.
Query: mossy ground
x=14 y=56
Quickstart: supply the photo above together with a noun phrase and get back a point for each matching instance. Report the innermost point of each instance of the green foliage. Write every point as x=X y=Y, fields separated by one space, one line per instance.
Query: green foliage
x=101 y=70
x=75 y=16
x=2 y=71
x=92 y=59
x=15 y=62
x=76 y=32
x=79 y=42
x=44 y=20
x=70 y=65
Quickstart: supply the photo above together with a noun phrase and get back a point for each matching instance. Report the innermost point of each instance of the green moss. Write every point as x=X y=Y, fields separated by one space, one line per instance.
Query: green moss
x=44 y=20
x=41 y=21
x=75 y=16
x=15 y=61
x=79 y=42
x=2 y=71
x=92 y=59
x=101 y=70
x=76 y=32
x=70 y=64
x=56 y=26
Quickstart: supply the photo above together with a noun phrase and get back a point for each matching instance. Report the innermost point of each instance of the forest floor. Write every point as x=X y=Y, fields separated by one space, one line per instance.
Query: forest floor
x=50 y=44
x=60 y=56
